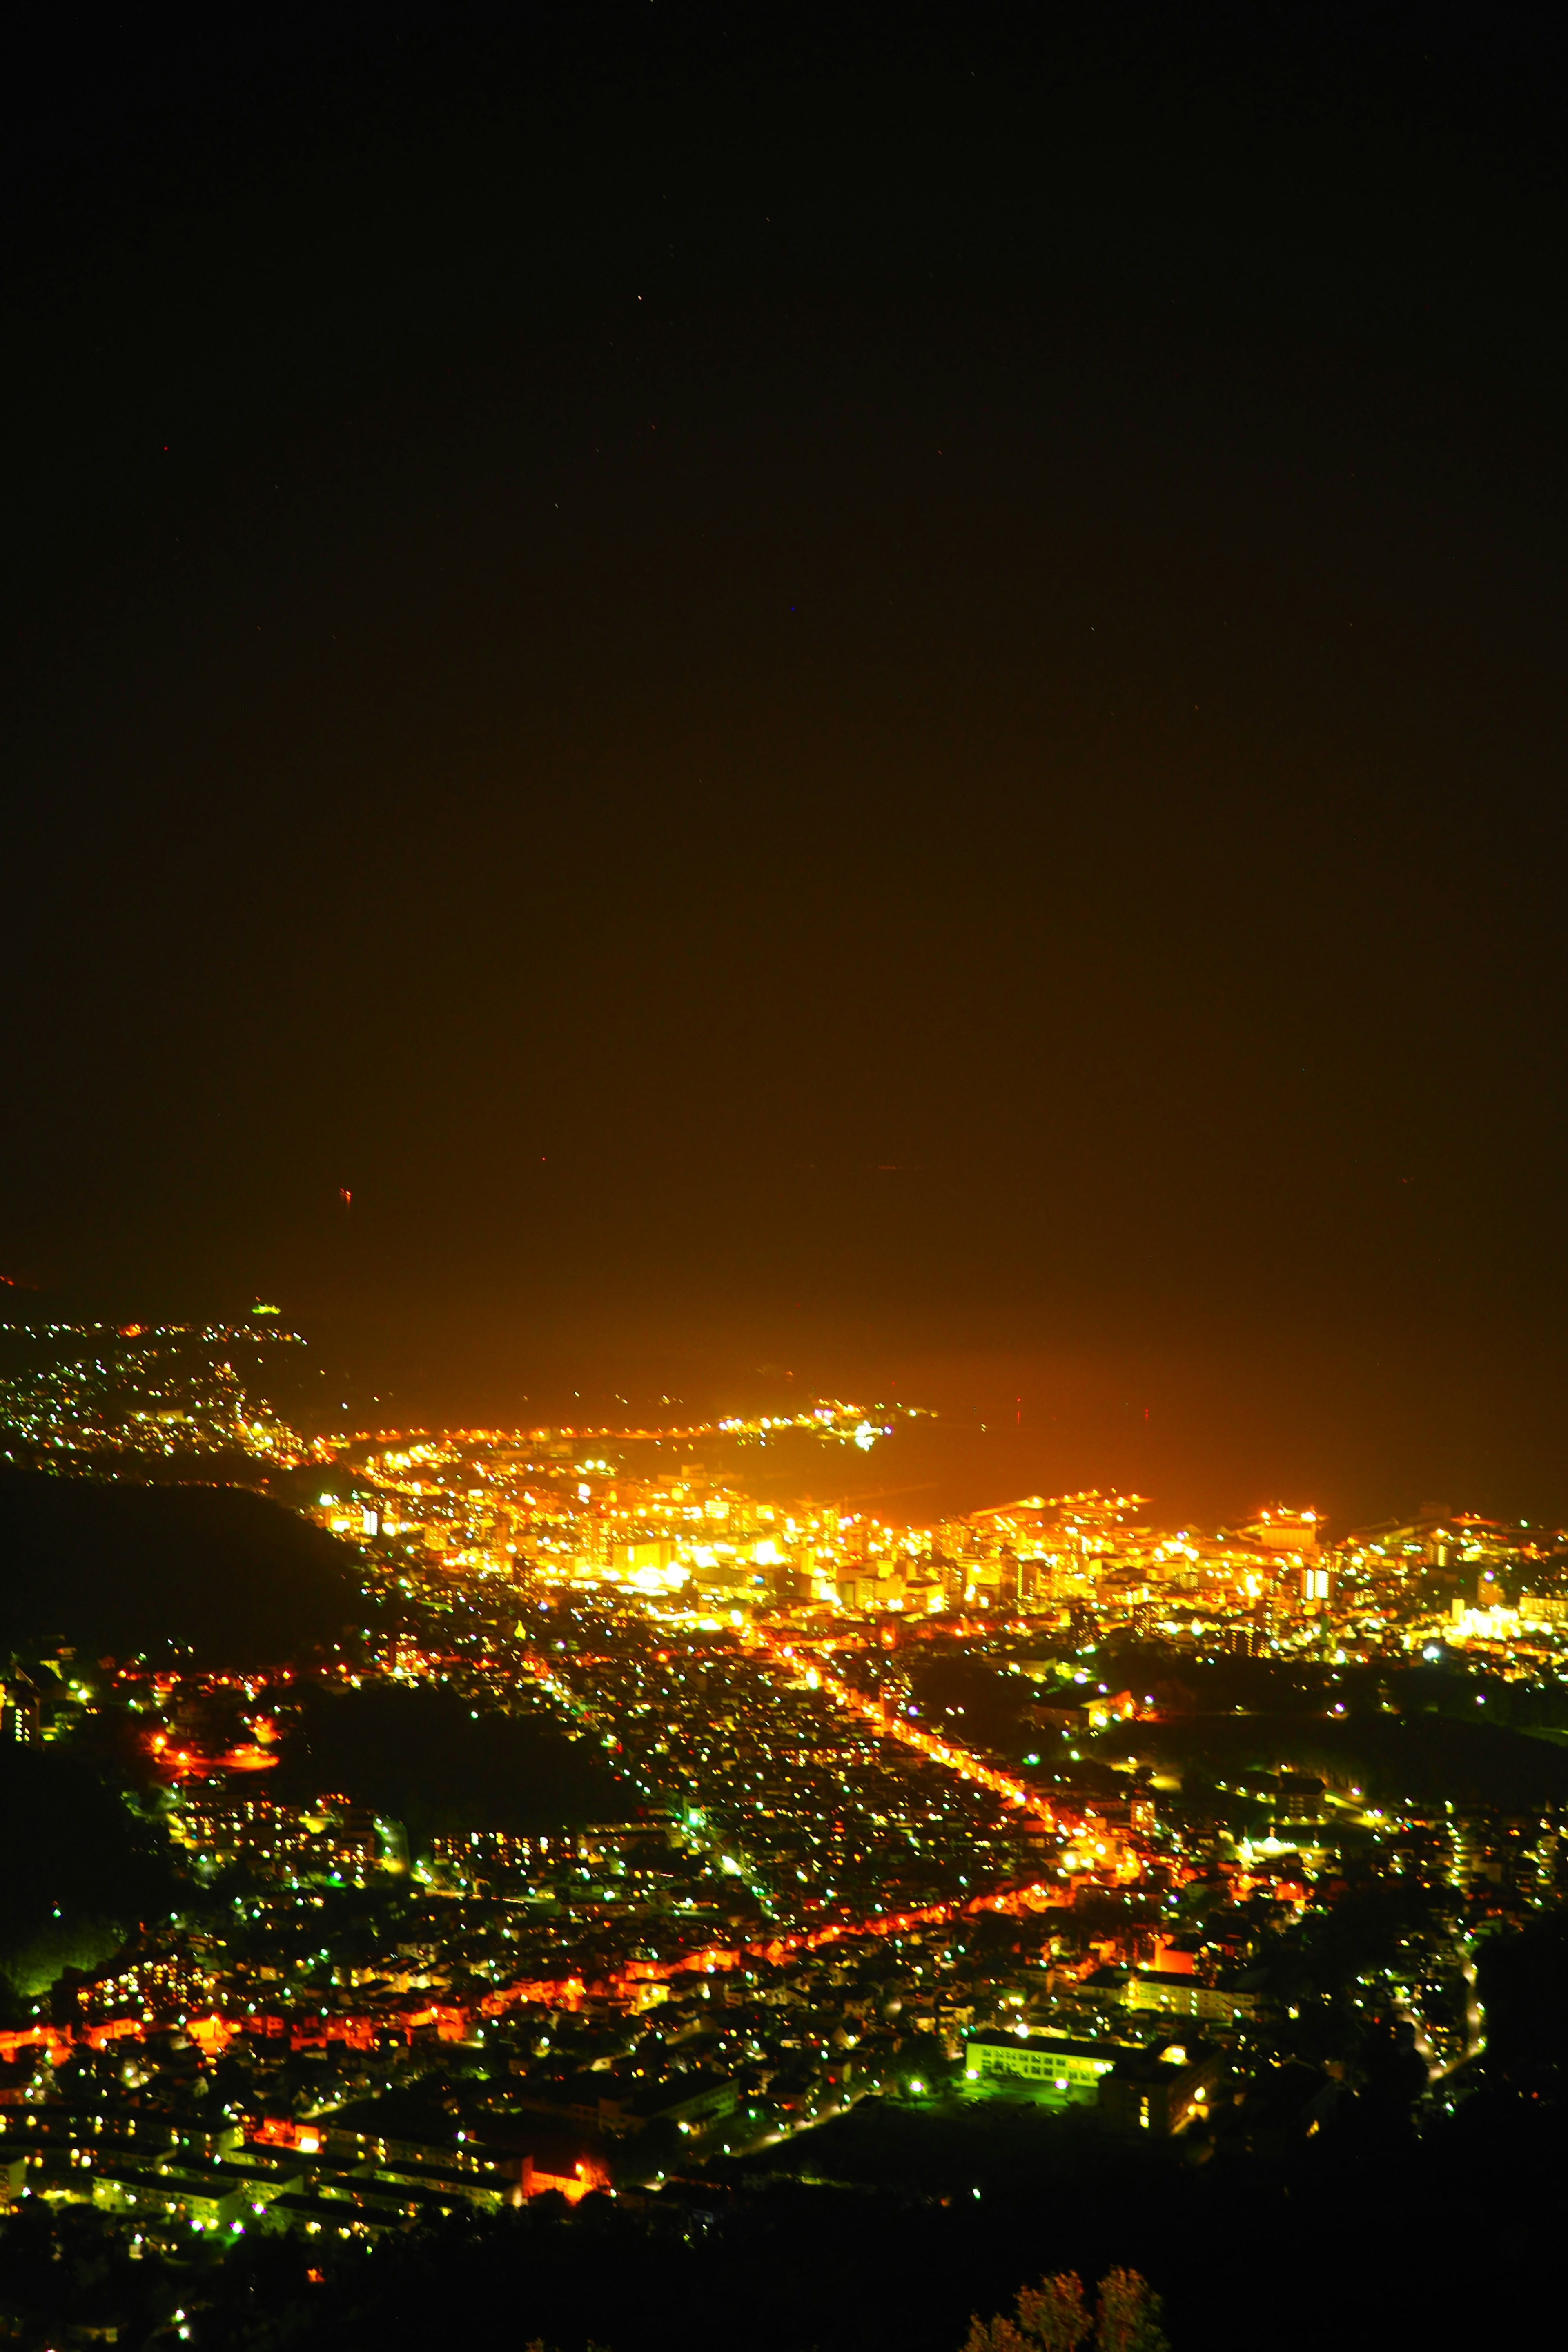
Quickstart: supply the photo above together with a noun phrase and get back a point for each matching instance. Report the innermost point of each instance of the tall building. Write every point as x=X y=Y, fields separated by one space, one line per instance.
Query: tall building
x=19 y=1711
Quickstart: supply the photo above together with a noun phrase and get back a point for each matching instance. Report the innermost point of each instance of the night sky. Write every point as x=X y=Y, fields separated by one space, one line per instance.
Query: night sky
x=873 y=695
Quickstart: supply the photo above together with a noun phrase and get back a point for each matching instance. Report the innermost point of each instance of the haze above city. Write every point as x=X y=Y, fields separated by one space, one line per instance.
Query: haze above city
x=756 y=793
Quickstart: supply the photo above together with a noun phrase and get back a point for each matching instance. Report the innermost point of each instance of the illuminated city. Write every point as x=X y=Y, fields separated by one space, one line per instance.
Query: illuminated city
x=1046 y=1806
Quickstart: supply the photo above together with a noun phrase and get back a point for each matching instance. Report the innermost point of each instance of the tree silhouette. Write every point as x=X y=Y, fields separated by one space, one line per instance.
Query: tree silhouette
x=1053 y=2315
x=1129 y=2313
x=997 y=2334
x=1053 y=2318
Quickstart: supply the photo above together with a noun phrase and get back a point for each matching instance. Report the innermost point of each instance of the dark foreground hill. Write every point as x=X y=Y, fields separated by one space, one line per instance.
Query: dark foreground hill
x=120 y=1569
x=1340 y=2247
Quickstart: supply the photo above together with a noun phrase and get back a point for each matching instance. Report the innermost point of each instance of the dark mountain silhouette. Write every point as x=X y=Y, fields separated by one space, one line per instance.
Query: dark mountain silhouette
x=120 y=1569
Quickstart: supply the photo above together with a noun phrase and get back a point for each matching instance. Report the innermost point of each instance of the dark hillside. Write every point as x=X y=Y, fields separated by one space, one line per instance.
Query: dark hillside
x=425 y=1757
x=120 y=1569
x=1395 y=1759
x=81 y=1869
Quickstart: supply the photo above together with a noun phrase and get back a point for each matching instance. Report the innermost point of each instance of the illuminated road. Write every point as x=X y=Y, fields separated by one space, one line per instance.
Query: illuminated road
x=946 y=1752
x=1117 y=1857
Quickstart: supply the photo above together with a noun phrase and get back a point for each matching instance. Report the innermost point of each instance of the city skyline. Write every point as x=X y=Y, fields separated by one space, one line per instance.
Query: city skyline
x=986 y=1427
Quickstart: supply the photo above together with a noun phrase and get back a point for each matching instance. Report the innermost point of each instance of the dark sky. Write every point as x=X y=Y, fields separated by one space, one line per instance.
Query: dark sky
x=875 y=691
